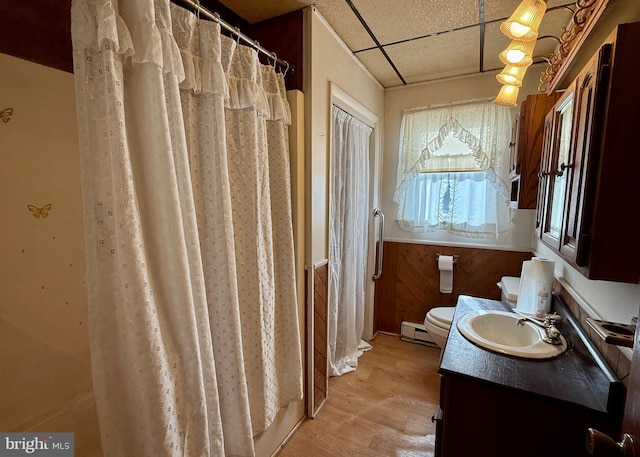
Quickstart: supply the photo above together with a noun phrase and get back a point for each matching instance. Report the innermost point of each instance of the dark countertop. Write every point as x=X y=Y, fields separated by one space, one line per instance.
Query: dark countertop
x=579 y=376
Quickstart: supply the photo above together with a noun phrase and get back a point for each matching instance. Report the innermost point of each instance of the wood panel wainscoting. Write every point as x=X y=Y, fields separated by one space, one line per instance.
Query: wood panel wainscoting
x=410 y=283
x=319 y=341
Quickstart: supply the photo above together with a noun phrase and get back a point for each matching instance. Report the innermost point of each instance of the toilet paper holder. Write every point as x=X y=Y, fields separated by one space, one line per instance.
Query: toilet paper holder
x=455 y=259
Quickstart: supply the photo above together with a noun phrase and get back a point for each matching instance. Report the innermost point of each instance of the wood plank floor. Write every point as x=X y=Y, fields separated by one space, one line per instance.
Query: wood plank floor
x=384 y=408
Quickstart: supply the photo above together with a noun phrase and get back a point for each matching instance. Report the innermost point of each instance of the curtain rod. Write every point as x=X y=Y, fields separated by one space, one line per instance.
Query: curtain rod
x=236 y=31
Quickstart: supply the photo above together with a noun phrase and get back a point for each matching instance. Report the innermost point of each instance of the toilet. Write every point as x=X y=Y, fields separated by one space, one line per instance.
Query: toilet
x=509 y=285
x=437 y=322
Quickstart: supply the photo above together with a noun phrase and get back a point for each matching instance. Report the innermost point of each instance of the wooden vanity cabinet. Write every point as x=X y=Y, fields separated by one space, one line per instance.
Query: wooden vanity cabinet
x=485 y=420
x=501 y=406
x=594 y=224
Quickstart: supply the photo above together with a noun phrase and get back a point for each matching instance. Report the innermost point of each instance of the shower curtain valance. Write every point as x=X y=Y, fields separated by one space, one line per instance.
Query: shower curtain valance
x=200 y=57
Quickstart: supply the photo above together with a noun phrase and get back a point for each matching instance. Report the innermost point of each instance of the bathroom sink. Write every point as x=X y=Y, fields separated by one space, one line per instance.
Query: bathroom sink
x=499 y=331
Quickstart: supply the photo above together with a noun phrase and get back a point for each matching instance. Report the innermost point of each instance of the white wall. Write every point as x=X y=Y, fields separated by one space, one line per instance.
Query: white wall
x=329 y=61
x=607 y=300
x=519 y=238
x=45 y=375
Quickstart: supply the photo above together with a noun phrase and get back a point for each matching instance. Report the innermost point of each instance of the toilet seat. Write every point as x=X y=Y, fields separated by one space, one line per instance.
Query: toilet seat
x=438 y=322
x=441 y=316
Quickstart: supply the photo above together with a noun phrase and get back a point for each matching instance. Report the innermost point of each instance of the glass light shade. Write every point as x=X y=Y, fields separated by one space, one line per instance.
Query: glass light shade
x=512 y=75
x=518 y=53
x=507 y=96
x=525 y=20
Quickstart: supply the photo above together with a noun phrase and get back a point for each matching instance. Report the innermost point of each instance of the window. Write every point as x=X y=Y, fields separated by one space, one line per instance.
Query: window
x=453 y=169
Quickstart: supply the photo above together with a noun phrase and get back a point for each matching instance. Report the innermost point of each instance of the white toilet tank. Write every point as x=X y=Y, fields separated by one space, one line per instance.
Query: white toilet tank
x=509 y=286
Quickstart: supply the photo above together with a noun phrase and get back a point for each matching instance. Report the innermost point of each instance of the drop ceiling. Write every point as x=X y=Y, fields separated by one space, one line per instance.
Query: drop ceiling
x=410 y=41
x=399 y=41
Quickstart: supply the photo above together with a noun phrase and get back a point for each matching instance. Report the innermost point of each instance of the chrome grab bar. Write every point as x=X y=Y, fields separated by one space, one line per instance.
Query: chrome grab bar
x=378 y=272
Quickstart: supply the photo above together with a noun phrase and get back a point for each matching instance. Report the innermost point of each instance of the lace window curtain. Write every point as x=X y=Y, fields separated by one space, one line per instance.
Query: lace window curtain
x=453 y=169
x=193 y=321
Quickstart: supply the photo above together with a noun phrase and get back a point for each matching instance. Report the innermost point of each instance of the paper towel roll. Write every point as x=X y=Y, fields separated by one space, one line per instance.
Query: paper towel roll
x=536 y=286
x=544 y=277
x=545 y=267
x=525 y=303
x=445 y=265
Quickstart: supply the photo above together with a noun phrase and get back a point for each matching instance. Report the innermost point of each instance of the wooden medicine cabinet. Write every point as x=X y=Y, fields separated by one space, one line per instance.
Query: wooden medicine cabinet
x=589 y=179
x=526 y=149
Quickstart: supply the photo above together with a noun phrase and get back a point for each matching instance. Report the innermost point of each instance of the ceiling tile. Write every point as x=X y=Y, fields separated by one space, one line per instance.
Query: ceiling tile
x=403 y=19
x=343 y=20
x=448 y=33
x=441 y=56
x=494 y=43
x=379 y=67
x=502 y=9
x=499 y=9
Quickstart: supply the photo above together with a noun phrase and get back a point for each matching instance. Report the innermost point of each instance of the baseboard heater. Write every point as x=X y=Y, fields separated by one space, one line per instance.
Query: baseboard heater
x=415 y=333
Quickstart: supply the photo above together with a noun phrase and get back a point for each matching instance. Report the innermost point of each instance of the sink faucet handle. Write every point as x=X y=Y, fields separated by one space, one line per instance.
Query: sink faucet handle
x=551 y=318
x=553 y=332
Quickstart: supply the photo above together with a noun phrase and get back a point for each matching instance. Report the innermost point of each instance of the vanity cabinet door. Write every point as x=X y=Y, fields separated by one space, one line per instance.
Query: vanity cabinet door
x=527 y=147
x=482 y=419
x=543 y=174
x=581 y=169
x=559 y=153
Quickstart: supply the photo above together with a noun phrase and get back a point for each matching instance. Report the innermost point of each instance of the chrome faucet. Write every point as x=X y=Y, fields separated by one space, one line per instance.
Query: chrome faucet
x=552 y=334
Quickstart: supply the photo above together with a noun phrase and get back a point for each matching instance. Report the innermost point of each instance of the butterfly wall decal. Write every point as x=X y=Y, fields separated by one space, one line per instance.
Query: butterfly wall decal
x=6 y=114
x=40 y=212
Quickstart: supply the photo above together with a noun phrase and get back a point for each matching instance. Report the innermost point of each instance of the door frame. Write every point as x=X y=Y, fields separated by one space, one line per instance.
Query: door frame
x=346 y=102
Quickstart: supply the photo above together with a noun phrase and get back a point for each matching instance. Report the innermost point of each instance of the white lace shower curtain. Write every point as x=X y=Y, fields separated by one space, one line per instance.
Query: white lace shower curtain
x=348 y=236
x=193 y=320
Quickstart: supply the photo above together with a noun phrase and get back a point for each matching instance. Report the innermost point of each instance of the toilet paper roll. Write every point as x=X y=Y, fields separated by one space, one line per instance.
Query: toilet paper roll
x=445 y=265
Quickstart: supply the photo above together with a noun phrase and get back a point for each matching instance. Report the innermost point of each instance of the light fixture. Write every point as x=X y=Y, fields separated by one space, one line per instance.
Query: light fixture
x=518 y=53
x=507 y=96
x=525 y=20
x=522 y=29
x=512 y=75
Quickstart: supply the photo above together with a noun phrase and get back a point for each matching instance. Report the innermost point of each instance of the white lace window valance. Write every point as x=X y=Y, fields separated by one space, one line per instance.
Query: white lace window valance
x=454 y=140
